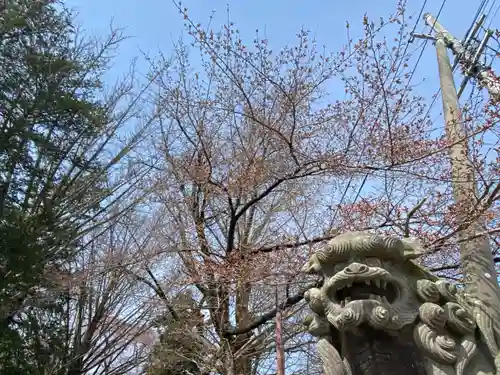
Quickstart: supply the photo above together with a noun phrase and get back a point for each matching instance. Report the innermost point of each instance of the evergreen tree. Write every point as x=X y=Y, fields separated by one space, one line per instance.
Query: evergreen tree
x=54 y=129
x=179 y=343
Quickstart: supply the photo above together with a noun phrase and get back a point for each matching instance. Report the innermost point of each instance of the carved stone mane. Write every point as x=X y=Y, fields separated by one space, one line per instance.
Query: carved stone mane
x=379 y=313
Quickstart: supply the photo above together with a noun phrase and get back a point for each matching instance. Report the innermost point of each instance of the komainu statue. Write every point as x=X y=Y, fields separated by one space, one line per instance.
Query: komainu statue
x=379 y=313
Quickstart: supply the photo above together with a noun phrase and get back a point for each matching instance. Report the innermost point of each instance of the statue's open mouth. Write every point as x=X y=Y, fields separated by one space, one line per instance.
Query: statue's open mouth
x=376 y=289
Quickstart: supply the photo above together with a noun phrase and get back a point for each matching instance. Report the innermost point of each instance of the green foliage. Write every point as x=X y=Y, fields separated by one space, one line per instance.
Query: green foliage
x=177 y=348
x=53 y=128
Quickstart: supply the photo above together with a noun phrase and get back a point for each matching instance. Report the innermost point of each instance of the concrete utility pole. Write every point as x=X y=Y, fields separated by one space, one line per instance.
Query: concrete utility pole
x=469 y=59
x=477 y=260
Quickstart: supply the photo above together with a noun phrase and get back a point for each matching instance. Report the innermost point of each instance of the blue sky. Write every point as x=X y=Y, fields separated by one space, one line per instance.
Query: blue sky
x=154 y=24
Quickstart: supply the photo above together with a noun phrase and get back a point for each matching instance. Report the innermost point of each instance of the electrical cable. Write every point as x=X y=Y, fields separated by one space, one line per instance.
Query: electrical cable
x=489 y=12
x=406 y=88
x=421 y=53
x=481 y=7
x=411 y=35
x=495 y=51
x=466 y=39
x=358 y=193
x=479 y=10
x=425 y=44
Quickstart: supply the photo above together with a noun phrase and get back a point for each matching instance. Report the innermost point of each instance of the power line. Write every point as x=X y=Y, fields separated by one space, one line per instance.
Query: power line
x=425 y=43
x=494 y=15
x=477 y=21
x=469 y=59
x=479 y=10
x=409 y=41
x=469 y=36
x=422 y=52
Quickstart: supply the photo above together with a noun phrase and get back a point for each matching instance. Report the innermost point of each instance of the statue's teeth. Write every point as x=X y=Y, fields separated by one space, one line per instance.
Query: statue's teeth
x=347 y=300
x=367 y=282
x=342 y=303
x=383 y=284
x=374 y=296
x=349 y=284
x=384 y=299
x=377 y=283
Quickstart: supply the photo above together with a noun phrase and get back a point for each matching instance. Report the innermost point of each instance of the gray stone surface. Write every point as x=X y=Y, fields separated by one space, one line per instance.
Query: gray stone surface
x=380 y=313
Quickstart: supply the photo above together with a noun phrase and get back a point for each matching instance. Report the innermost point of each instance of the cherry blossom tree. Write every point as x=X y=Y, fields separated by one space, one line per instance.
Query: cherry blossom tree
x=261 y=155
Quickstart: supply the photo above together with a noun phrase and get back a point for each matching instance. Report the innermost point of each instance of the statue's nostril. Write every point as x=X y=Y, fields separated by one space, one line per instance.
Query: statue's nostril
x=356 y=268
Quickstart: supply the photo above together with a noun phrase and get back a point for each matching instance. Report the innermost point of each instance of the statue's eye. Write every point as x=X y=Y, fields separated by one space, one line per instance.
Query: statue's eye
x=373 y=262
